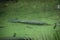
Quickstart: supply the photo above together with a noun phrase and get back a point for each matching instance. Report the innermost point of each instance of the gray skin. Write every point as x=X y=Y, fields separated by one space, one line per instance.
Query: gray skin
x=32 y=22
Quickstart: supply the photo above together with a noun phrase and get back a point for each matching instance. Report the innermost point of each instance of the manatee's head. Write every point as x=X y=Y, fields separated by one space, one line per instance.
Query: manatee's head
x=13 y=20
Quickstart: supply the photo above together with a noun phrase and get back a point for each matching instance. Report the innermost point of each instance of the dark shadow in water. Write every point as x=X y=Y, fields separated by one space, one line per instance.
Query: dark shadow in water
x=2 y=14
x=14 y=38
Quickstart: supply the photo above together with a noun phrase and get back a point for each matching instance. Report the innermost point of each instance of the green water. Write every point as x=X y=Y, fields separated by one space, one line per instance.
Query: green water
x=30 y=10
